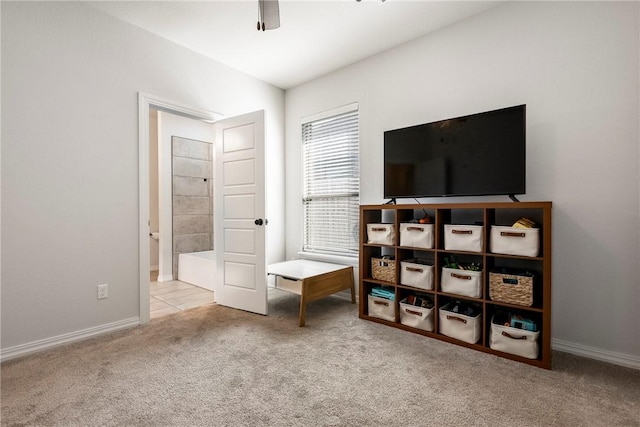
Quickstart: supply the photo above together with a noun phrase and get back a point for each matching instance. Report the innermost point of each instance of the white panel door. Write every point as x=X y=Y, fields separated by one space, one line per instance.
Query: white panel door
x=239 y=214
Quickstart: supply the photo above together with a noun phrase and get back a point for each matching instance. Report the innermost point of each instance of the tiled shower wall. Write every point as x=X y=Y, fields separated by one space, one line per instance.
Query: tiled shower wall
x=192 y=197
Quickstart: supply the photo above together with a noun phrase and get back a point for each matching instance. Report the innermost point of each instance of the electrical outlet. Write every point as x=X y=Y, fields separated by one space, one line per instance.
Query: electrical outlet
x=103 y=291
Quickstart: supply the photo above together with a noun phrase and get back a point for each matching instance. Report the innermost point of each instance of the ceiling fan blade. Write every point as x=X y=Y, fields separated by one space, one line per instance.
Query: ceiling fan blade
x=270 y=14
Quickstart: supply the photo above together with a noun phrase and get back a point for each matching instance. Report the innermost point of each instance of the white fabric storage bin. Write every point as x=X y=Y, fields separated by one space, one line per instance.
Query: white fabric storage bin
x=381 y=308
x=416 y=317
x=416 y=235
x=463 y=238
x=416 y=275
x=461 y=282
x=381 y=234
x=459 y=326
x=513 y=340
x=514 y=241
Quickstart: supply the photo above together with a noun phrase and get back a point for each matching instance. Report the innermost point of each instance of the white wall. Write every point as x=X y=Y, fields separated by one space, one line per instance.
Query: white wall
x=575 y=65
x=70 y=82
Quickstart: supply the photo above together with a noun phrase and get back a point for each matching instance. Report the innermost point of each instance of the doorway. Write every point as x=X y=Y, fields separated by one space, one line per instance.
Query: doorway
x=240 y=177
x=182 y=261
x=146 y=104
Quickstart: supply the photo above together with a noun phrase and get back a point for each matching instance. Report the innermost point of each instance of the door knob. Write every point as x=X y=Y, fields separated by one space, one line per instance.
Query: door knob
x=258 y=221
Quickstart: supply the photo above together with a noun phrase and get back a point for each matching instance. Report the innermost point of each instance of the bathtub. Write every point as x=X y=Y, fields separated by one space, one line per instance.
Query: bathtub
x=197 y=268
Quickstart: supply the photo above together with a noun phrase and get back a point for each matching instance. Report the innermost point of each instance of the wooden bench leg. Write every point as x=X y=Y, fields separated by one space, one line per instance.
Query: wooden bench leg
x=302 y=313
x=353 y=289
x=303 y=304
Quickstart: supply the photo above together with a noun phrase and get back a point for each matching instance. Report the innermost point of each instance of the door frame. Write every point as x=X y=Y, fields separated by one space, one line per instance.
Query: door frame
x=145 y=103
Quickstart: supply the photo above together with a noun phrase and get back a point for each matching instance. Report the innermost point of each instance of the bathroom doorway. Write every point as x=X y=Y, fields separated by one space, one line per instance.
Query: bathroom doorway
x=156 y=262
x=240 y=188
x=182 y=262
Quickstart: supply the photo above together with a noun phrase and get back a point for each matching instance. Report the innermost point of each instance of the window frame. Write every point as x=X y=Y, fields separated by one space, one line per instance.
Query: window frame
x=346 y=256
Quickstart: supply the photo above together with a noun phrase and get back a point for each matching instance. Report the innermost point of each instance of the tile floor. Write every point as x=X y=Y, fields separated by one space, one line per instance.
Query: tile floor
x=174 y=296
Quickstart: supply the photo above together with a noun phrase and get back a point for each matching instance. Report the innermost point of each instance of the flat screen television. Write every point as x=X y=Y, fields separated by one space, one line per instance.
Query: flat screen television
x=476 y=155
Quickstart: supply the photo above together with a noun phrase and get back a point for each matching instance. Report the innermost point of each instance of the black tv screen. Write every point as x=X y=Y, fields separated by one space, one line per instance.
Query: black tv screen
x=479 y=154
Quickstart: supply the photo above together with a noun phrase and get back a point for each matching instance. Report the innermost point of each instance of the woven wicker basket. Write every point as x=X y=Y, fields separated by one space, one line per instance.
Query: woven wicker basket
x=510 y=288
x=383 y=269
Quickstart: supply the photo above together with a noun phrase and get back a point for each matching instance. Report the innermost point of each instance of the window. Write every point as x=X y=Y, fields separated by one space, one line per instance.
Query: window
x=331 y=187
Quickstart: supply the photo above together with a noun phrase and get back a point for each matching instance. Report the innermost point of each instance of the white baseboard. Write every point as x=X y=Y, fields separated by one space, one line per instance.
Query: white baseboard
x=621 y=359
x=47 y=343
x=165 y=278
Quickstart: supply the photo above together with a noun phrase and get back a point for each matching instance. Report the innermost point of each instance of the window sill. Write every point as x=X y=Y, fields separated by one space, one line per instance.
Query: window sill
x=336 y=259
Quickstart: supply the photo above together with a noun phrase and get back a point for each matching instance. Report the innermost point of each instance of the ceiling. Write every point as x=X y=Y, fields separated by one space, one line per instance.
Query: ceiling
x=316 y=37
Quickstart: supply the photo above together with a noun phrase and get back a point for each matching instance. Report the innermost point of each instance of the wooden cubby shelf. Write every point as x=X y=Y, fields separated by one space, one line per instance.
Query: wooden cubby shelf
x=486 y=215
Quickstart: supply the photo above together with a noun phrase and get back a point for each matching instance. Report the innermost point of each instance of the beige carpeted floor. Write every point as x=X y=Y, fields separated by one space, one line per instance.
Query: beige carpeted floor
x=215 y=366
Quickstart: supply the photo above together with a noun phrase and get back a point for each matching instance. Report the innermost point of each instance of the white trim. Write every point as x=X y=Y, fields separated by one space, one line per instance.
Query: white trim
x=335 y=259
x=175 y=107
x=145 y=102
x=143 y=208
x=47 y=343
x=329 y=113
x=627 y=360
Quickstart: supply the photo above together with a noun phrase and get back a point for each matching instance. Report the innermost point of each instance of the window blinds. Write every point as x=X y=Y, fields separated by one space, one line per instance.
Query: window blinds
x=331 y=184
